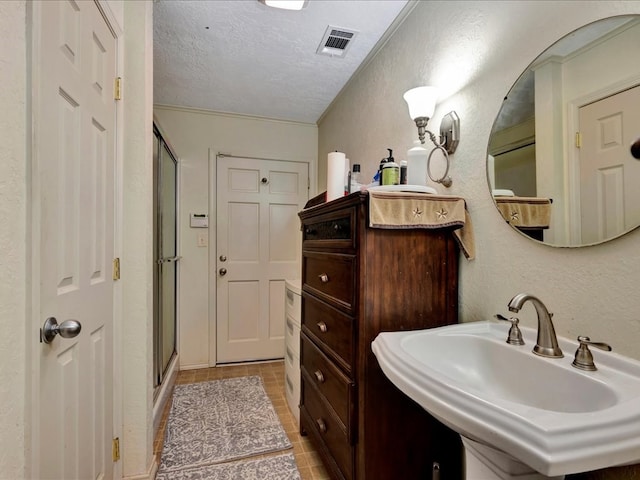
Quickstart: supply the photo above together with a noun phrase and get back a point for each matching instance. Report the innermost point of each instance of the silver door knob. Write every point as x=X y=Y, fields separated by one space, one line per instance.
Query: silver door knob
x=222 y=272
x=67 y=329
x=223 y=258
x=635 y=149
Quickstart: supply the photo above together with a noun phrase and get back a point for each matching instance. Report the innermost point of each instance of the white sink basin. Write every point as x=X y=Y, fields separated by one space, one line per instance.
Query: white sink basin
x=541 y=411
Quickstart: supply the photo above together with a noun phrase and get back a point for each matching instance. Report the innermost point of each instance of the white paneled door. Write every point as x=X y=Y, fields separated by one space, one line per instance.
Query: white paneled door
x=609 y=175
x=258 y=248
x=73 y=239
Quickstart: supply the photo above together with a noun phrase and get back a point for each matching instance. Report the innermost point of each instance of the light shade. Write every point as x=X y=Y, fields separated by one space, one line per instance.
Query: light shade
x=285 y=4
x=421 y=101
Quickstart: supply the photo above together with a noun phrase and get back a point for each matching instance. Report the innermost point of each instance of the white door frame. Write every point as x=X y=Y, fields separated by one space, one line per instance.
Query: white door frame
x=118 y=30
x=32 y=348
x=213 y=247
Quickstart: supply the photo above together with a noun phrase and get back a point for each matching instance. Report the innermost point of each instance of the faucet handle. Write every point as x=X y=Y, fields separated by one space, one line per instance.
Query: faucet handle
x=515 y=335
x=584 y=358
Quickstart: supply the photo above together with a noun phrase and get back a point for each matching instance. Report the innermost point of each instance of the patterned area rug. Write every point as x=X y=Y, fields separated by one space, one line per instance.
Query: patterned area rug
x=220 y=421
x=278 y=467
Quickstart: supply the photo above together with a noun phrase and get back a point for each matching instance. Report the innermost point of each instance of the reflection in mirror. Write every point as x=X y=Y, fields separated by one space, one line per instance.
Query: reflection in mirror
x=559 y=163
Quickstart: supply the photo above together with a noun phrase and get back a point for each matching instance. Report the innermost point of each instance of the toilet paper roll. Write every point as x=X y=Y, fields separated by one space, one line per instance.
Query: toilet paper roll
x=335 y=175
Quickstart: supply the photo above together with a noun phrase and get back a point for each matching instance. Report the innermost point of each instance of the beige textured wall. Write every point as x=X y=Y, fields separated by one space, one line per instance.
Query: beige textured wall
x=474 y=51
x=137 y=241
x=14 y=317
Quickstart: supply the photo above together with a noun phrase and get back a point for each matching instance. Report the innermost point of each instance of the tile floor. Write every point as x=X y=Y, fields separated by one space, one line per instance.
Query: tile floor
x=272 y=373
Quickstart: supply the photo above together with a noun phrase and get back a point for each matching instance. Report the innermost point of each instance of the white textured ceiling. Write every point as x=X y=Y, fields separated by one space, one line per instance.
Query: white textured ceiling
x=257 y=60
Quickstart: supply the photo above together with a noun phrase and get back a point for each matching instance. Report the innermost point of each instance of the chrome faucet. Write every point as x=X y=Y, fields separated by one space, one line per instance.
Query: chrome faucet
x=547 y=343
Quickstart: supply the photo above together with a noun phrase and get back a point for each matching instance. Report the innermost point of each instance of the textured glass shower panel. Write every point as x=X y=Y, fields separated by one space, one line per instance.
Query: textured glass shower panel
x=167 y=203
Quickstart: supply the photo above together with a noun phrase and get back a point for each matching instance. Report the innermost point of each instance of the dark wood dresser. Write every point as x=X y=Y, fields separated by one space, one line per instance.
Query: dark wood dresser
x=358 y=281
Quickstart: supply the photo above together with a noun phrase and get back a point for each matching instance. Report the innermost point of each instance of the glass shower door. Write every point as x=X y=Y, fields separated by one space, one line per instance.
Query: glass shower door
x=167 y=259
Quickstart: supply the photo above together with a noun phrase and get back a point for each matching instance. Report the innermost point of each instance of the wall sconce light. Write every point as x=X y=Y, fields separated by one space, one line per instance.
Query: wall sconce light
x=422 y=103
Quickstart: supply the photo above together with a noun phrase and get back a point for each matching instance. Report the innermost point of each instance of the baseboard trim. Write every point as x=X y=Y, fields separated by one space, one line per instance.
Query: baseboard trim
x=164 y=394
x=151 y=472
x=194 y=367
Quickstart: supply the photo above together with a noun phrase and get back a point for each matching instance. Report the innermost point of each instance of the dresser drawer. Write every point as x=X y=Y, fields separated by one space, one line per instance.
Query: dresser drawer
x=333 y=330
x=331 y=277
x=291 y=362
x=292 y=394
x=292 y=382
x=292 y=305
x=333 y=230
x=292 y=335
x=336 y=387
x=327 y=427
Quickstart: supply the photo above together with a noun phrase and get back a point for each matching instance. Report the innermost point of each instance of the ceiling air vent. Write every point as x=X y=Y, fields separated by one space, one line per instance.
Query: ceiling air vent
x=336 y=41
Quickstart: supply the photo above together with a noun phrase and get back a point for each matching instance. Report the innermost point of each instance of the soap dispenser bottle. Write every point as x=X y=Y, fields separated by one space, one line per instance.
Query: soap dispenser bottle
x=378 y=176
x=355 y=182
x=390 y=171
x=403 y=172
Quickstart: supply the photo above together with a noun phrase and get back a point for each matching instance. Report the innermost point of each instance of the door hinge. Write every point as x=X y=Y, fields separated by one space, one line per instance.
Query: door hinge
x=116 y=268
x=117 y=89
x=115 y=450
x=578 y=140
x=308 y=183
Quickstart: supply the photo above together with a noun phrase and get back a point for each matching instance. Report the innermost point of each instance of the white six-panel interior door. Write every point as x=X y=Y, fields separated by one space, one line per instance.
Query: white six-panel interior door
x=258 y=247
x=609 y=175
x=73 y=238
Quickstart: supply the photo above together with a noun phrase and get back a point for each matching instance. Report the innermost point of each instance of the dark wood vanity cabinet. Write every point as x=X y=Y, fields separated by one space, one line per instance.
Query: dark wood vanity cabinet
x=356 y=282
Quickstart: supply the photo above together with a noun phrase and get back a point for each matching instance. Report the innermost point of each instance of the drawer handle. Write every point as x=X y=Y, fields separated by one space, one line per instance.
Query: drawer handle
x=322 y=326
x=319 y=376
x=310 y=231
x=337 y=227
x=324 y=278
x=322 y=426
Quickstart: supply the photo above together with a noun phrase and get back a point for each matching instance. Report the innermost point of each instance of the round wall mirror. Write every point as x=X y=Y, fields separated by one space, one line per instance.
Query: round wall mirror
x=559 y=164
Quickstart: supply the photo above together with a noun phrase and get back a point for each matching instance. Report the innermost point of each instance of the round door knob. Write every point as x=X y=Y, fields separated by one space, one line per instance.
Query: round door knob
x=222 y=272
x=67 y=329
x=223 y=258
x=635 y=149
